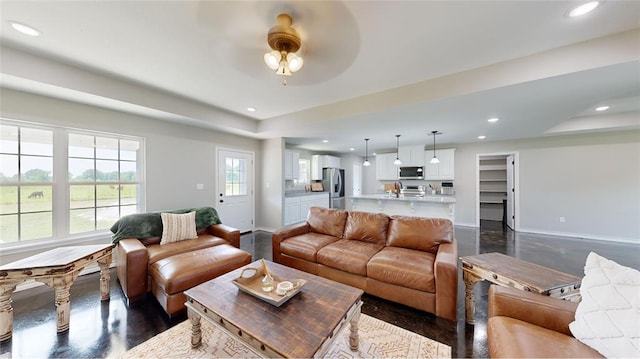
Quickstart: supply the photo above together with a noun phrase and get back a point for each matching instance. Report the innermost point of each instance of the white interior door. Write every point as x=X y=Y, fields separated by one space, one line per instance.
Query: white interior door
x=510 y=192
x=235 y=199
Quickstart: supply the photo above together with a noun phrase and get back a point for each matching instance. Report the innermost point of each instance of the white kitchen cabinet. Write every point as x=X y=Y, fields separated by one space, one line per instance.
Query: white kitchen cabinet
x=291 y=164
x=291 y=210
x=412 y=155
x=318 y=162
x=385 y=169
x=296 y=208
x=445 y=170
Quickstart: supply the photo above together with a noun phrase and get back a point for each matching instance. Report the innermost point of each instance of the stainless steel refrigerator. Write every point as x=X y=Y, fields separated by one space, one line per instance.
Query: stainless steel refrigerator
x=333 y=182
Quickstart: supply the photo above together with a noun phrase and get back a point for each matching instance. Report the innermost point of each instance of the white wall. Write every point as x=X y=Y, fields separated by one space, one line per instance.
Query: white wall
x=593 y=180
x=271 y=184
x=177 y=157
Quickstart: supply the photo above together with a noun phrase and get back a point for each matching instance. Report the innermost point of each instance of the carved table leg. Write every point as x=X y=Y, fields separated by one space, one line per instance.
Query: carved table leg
x=354 y=339
x=469 y=299
x=196 y=332
x=105 y=276
x=6 y=310
x=63 y=302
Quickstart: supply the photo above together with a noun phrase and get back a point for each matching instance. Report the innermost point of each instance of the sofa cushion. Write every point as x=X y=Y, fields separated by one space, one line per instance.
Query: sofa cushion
x=178 y=227
x=513 y=338
x=424 y=234
x=305 y=246
x=608 y=316
x=404 y=267
x=327 y=221
x=348 y=255
x=367 y=227
x=157 y=252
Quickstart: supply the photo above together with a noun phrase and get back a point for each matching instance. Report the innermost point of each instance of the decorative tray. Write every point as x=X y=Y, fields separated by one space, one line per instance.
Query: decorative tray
x=250 y=282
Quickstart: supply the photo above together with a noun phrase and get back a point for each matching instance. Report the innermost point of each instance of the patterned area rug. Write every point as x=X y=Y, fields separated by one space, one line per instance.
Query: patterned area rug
x=378 y=339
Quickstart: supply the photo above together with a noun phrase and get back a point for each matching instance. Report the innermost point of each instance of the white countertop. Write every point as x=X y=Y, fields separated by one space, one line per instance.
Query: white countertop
x=426 y=198
x=302 y=193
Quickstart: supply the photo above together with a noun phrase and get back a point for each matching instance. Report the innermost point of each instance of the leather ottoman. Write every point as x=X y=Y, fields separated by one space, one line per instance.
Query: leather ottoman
x=171 y=276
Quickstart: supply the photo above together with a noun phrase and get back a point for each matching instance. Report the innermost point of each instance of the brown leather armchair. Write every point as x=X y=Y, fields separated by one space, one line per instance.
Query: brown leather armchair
x=523 y=324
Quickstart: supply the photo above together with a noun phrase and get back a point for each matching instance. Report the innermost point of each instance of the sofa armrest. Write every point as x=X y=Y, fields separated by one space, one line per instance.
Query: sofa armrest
x=547 y=312
x=131 y=267
x=228 y=233
x=446 y=276
x=284 y=233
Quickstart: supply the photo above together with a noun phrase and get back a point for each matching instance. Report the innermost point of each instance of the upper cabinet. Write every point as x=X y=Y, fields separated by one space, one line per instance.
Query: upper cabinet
x=445 y=170
x=291 y=164
x=318 y=162
x=385 y=169
x=411 y=155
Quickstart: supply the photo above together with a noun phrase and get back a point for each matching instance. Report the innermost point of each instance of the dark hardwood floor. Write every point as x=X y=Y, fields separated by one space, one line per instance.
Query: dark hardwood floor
x=107 y=329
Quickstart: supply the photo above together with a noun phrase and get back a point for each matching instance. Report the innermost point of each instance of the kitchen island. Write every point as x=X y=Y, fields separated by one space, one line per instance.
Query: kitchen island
x=431 y=206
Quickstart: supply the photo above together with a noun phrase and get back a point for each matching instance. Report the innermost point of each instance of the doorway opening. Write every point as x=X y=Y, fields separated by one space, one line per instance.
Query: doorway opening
x=497 y=196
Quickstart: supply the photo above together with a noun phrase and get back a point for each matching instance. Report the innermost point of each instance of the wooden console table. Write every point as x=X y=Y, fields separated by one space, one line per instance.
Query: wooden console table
x=57 y=268
x=508 y=271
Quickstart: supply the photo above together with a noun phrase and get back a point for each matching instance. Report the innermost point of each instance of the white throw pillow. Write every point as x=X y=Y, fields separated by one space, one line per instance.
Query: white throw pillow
x=608 y=317
x=178 y=227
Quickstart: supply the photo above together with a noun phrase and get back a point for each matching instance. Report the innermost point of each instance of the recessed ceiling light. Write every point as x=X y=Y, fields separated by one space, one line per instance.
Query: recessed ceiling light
x=374 y=154
x=482 y=137
x=584 y=8
x=251 y=109
x=352 y=149
x=325 y=141
x=602 y=108
x=493 y=120
x=25 y=29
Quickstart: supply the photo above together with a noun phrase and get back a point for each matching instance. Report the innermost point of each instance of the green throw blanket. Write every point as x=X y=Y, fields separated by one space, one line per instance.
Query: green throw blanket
x=146 y=225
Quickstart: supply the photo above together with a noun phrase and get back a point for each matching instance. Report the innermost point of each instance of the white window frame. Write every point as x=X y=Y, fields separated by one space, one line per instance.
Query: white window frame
x=61 y=183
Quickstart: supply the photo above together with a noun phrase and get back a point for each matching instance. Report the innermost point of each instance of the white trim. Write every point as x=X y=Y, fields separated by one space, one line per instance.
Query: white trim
x=455 y=224
x=42 y=245
x=265 y=229
x=516 y=184
x=581 y=236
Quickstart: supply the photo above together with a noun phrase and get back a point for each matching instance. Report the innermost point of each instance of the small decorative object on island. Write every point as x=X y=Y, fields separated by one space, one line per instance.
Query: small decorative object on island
x=267 y=281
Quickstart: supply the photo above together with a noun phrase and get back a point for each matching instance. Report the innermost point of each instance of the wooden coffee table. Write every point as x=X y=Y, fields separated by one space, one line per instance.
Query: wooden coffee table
x=57 y=268
x=508 y=271
x=303 y=327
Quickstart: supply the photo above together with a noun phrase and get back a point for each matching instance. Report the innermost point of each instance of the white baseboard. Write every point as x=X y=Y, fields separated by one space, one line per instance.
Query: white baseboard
x=465 y=224
x=581 y=236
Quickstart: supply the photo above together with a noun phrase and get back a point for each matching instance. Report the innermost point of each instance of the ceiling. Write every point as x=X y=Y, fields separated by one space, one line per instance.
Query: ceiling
x=373 y=69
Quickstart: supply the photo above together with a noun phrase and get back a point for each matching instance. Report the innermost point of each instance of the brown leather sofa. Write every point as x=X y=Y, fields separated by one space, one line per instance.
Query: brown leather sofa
x=524 y=324
x=144 y=265
x=409 y=260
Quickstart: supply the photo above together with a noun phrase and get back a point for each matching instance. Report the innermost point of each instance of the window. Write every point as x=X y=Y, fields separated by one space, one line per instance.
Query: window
x=38 y=202
x=236 y=177
x=304 y=172
x=26 y=183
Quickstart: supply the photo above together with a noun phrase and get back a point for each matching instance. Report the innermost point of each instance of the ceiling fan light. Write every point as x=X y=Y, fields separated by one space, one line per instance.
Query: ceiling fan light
x=434 y=160
x=295 y=62
x=272 y=59
x=283 y=68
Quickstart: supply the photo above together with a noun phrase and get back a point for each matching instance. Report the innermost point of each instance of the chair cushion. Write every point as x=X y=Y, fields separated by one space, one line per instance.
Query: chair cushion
x=404 y=267
x=423 y=234
x=513 y=338
x=348 y=255
x=183 y=271
x=305 y=246
x=367 y=227
x=327 y=221
x=157 y=252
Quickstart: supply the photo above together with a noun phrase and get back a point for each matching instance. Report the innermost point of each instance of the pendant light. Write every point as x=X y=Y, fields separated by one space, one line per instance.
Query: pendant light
x=397 y=162
x=435 y=159
x=366 y=153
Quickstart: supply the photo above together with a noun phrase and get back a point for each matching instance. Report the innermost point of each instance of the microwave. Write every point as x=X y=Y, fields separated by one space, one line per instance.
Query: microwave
x=413 y=172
